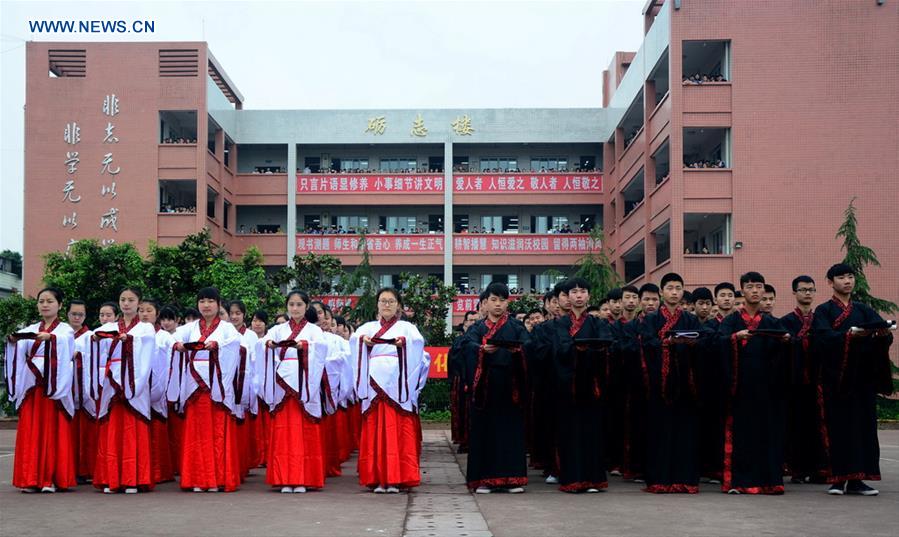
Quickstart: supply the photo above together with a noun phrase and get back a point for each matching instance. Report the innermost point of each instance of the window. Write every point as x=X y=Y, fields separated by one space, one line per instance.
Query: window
x=633 y=193
x=211 y=198
x=71 y=62
x=398 y=165
x=227 y=215
x=312 y=164
x=177 y=196
x=634 y=262
x=397 y=224
x=706 y=61
x=505 y=164
x=492 y=224
x=707 y=233
x=460 y=223
x=545 y=282
x=312 y=222
x=352 y=224
x=662 y=237
x=549 y=164
x=435 y=223
x=548 y=224
x=706 y=147
x=177 y=126
x=354 y=165
x=461 y=281
x=662 y=161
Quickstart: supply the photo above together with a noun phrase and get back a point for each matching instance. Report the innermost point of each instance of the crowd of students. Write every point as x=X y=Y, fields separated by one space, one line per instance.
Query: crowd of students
x=148 y=395
x=668 y=391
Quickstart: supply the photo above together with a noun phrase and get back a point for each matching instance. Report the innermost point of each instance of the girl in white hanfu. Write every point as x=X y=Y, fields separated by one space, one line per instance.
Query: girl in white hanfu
x=387 y=356
x=160 y=448
x=84 y=424
x=208 y=357
x=39 y=375
x=291 y=357
x=244 y=395
x=121 y=360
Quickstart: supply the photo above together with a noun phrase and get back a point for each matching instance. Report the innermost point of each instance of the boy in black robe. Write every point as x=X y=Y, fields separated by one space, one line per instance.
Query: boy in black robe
x=456 y=377
x=579 y=349
x=803 y=439
x=756 y=365
x=852 y=343
x=668 y=361
x=497 y=457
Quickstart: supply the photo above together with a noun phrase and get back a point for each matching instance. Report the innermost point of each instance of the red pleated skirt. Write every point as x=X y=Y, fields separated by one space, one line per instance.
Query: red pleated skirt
x=44 y=453
x=263 y=432
x=175 y=423
x=244 y=433
x=254 y=448
x=355 y=411
x=294 y=449
x=86 y=431
x=160 y=450
x=389 y=447
x=330 y=446
x=124 y=453
x=209 y=446
x=344 y=435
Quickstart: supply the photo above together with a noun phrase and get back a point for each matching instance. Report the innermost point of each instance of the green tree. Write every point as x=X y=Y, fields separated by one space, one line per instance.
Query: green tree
x=313 y=273
x=16 y=312
x=429 y=301
x=596 y=268
x=525 y=303
x=94 y=273
x=858 y=257
x=15 y=259
x=244 y=280
x=361 y=281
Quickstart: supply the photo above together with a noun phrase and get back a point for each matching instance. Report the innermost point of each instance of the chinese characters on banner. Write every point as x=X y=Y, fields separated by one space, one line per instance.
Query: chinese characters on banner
x=525 y=244
x=433 y=183
x=318 y=183
x=535 y=182
x=463 y=303
x=109 y=169
x=349 y=244
x=337 y=302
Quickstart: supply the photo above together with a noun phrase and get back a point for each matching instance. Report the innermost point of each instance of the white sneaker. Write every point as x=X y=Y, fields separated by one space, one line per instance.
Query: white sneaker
x=286 y=490
x=639 y=480
x=299 y=490
x=734 y=491
x=552 y=480
x=592 y=490
x=516 y=490
x=51 y=489
x=714 y=481
x=392 y=490
x=130 y=490
x=198 y=489
x=379 y=490
x=615 y=472
x=107 y=490
x=30 y=490
x=213 y=489
x=483 y=490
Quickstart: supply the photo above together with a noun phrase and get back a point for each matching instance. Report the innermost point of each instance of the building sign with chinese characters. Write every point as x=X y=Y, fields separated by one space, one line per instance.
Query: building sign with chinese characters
x=528 y=182
x=561 y=243
x=349 y=244
x=108 y=169
x=345 y=183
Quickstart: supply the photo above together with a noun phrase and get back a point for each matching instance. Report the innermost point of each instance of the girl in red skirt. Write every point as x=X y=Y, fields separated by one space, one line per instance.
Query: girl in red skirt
x=39 y=379
x=121 y=360
x=84 y=424
x=160 y=448
x=209 y=355
x=292 y=357
x=387 y=357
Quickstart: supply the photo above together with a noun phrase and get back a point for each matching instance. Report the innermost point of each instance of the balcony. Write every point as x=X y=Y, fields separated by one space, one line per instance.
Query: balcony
x=261 y=189
x=370 y=189
x=173 y=227
x=177 y=160
x=708 y=183
x=273 y=246
x=708 y=270
x=527 y=188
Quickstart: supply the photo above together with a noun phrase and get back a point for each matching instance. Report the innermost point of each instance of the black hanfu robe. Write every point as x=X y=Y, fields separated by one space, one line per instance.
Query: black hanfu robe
x=456 y=376
x=542 y=431
x=579 y=373
x=712 y=390
x=630 y=379
x=669 y=371
x=756 y=372
x=853 y=371
x=497 y=455
x=804 y=454
x=615 y=403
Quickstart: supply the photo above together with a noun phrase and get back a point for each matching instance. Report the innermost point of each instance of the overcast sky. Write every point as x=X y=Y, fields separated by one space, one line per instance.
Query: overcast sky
x=291 y=55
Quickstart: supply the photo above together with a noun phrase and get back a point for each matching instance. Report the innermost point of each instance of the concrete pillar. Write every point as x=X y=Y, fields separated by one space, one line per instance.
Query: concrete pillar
x=448 y=224
x=291 y=230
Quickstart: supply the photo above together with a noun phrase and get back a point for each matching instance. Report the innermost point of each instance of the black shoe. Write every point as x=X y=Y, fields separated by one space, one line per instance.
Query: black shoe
x=837 y=489
x=858 y=487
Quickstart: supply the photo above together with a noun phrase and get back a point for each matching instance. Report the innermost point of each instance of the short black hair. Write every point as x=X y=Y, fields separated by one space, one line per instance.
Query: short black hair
x=801 y=279
x=701 y=293
x=751 y=277
x=240 y=305
x=192 y=312
x=648 y=288
x=209 y=293
x=468 y=314
x=738 y=294
x=688 y=297
x=497 y=289
x=770 y=289
x=614 y=294
x=113 y=305
x=557 y=288
x=340 y=320
x=605 y=300
x=77 y=302
x=671 y=277
x=168 y=312
x=547 y=296
x=483 y=296
x=630 y=289
x=725 y=285
x=535 y=310
x=840 y=269
x=262 y=315
x=591 y=308
x=574 y=283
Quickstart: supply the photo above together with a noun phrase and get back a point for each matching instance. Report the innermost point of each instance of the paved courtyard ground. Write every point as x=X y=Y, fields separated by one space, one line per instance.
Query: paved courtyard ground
x=442 y=507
